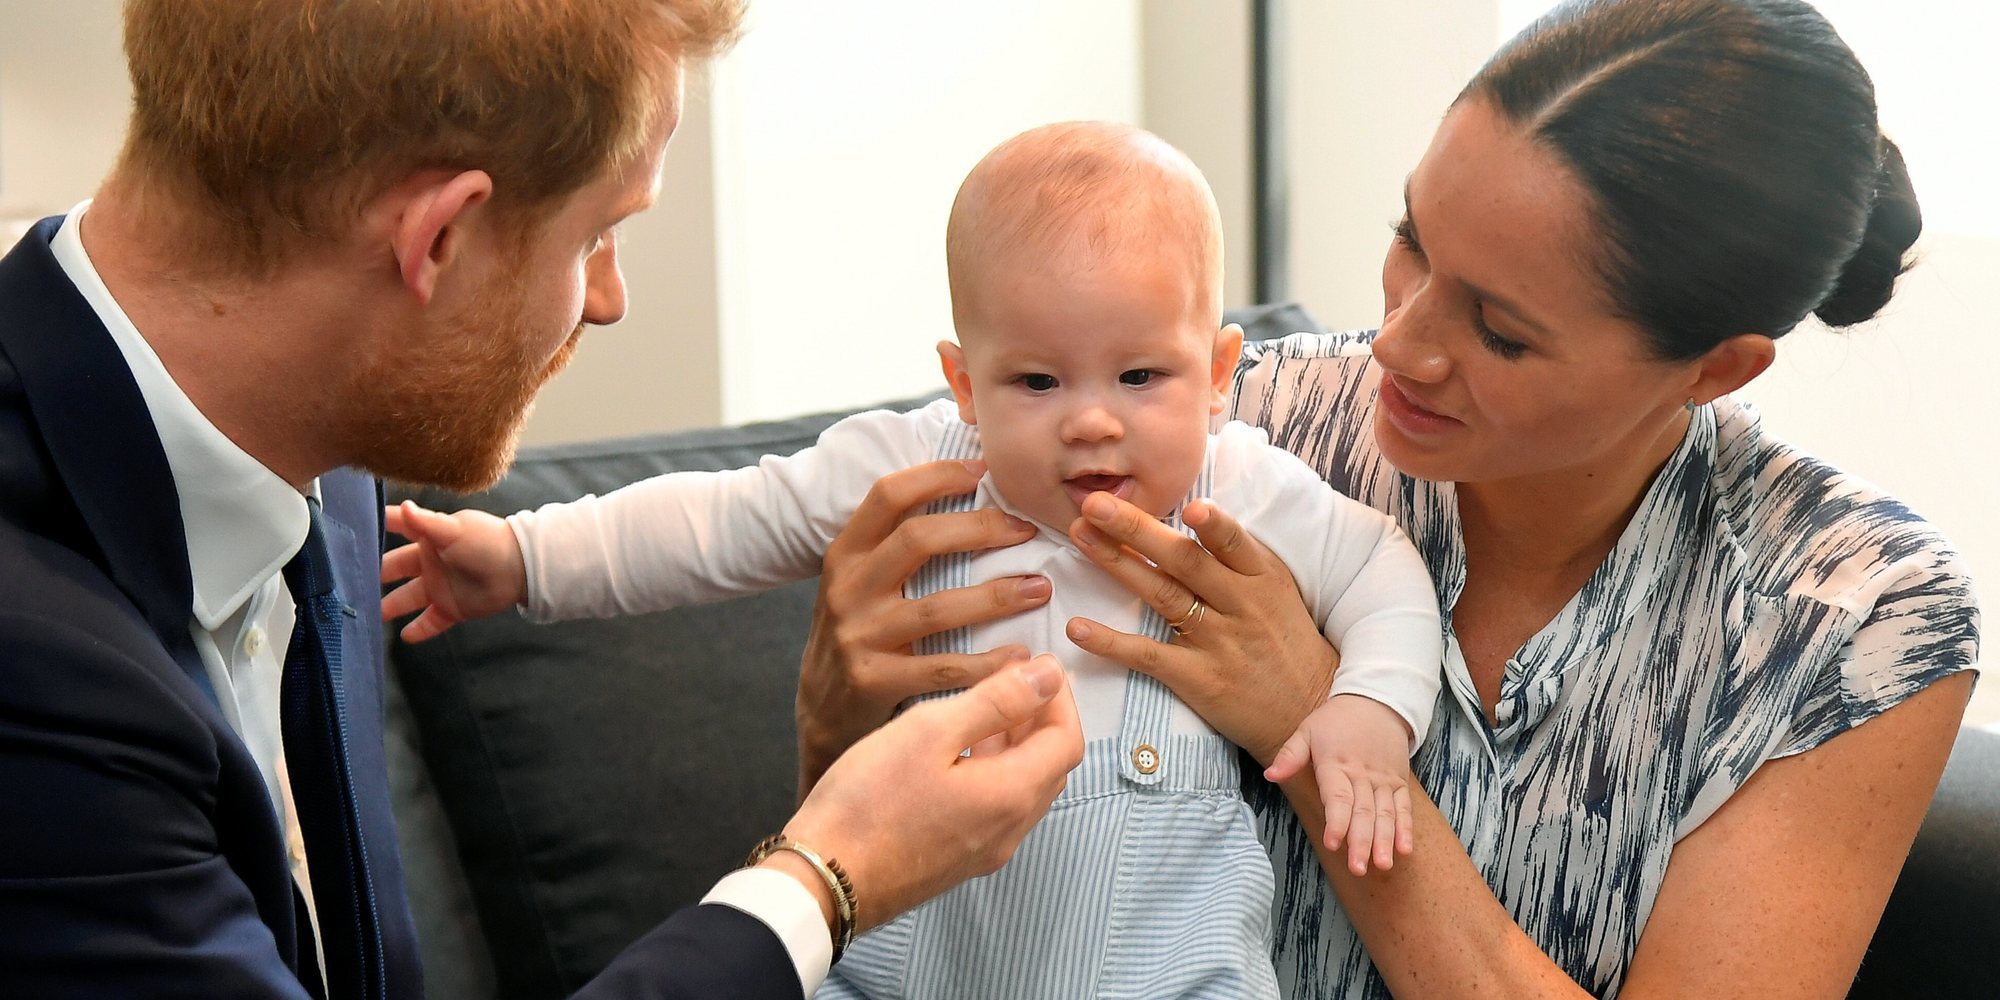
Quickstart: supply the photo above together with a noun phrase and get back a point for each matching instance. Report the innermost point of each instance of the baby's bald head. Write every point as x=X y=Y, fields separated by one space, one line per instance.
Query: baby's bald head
x=1074 y=195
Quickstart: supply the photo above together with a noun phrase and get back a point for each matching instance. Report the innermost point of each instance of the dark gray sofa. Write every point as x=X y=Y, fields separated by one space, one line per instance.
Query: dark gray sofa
x=563 y=788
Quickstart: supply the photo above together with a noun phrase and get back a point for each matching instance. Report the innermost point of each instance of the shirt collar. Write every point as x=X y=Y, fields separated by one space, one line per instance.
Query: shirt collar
x=243 y=522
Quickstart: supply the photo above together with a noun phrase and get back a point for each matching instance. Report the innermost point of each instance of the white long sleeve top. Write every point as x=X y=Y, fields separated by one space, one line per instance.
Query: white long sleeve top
x=695 y=537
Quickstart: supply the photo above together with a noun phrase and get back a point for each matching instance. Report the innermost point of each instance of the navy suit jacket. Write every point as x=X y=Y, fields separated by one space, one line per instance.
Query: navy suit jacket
x=140 y=856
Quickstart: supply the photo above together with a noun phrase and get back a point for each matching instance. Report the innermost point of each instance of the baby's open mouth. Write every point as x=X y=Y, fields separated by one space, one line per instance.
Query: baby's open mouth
x=1079 y=487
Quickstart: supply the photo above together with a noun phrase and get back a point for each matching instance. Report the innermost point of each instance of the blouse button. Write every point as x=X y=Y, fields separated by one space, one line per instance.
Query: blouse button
x=253 y=641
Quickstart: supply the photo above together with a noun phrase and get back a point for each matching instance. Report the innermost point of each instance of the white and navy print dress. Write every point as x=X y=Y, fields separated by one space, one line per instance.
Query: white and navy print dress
x=1759 y=604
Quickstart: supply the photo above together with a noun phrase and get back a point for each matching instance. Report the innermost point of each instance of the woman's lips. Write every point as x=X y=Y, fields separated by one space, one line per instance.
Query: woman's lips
x=1407 y=415
x=1079 y=487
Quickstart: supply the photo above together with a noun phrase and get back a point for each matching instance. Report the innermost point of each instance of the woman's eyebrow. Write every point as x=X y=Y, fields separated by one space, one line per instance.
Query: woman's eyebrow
x=1500 y=302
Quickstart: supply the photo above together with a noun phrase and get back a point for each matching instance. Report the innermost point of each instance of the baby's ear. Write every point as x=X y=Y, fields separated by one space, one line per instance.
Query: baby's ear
x=1222 y=366
x=952 y=359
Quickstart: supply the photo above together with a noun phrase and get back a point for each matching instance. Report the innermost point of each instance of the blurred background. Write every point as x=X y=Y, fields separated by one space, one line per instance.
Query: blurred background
x=795 y=262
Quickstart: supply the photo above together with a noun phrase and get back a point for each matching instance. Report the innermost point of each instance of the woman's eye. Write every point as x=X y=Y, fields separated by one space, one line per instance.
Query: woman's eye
x=1037 y=382
x=1137 y=376
x=1508 y=349
x=1406 y=236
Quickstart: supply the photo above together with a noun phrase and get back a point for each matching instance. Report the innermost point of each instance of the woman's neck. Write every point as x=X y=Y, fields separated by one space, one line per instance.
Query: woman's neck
x=1561 y=523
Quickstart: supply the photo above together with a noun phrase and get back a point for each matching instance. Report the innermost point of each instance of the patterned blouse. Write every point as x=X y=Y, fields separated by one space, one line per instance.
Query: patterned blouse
x=1758 y=604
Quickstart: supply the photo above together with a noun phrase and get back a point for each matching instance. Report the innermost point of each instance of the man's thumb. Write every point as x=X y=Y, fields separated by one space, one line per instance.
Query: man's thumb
x=1003 y=701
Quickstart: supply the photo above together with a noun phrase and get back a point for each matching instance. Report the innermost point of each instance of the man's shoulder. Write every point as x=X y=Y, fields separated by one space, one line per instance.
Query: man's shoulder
x=55 y=596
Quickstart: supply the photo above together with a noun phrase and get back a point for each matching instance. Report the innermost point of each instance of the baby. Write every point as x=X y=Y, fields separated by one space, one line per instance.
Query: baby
x=1085 y=264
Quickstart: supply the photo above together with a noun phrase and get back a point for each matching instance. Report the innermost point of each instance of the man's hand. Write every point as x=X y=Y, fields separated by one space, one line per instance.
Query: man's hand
x=909 y=816
x=459 y=566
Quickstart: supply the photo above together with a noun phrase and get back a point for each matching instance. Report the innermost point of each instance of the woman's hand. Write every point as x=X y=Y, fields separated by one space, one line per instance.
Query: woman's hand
x=1252 y=664
x=858 y=664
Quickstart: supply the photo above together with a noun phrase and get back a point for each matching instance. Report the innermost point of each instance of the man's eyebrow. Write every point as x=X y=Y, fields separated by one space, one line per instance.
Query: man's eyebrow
x=1500 y=302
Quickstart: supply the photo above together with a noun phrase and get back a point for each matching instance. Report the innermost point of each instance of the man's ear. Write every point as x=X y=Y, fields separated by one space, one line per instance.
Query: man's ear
x=1222 y=366
x=431 y=227
x=1731 y=365
x=952 y=358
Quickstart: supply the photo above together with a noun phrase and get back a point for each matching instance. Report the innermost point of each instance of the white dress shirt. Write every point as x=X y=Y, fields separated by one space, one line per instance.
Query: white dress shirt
x=243 y=524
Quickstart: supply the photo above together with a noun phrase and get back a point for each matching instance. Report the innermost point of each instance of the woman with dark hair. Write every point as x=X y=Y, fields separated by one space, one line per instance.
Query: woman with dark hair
x=1700 y=686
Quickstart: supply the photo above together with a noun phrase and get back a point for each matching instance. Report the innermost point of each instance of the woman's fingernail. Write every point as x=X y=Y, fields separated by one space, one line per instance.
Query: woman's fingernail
x=1079 y=632
x=1098 y=507
x=1033 y=588
x=975 y=466
x=1020 y=525
x=1044 y=674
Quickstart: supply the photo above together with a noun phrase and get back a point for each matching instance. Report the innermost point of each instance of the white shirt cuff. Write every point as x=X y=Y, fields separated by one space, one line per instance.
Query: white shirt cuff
x=789 y=909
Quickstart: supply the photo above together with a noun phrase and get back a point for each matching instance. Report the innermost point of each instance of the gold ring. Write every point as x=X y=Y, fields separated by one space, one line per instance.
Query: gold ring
x=1195 y=613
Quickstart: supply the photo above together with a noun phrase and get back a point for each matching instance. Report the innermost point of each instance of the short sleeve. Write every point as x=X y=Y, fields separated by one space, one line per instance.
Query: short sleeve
x=1922 y=627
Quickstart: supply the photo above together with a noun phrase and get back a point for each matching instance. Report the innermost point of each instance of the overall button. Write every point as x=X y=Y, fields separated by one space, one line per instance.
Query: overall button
x=1145 y=758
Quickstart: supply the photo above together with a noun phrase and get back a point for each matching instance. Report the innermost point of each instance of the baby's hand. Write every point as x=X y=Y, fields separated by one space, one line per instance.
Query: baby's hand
x=1360 y=750
x=459 y=567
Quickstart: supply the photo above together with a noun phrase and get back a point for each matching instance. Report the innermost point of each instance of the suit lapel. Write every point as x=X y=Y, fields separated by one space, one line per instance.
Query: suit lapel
x=101 y=440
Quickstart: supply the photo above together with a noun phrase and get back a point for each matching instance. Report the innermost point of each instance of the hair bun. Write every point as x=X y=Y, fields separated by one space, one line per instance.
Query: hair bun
x=1869 y=277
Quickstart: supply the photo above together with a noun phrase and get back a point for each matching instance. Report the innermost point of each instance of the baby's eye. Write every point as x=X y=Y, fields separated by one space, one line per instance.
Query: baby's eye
x=1137 y=376
x=1037 y=382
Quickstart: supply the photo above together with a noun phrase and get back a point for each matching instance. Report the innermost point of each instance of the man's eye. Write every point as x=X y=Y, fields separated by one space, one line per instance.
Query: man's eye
x=1038 y=382
x=1137 y=376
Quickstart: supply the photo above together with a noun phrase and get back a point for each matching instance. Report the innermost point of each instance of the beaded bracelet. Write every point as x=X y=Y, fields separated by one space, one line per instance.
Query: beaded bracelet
x=845 y=902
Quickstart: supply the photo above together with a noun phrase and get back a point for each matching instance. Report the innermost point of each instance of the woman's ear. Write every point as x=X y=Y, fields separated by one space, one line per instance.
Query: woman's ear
x=1731 y=365
x=1222 y=366
x=431 y=226
x=952 y=358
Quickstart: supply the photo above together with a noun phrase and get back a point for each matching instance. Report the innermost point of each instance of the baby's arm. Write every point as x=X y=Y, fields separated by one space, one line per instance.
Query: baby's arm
x=1369 y=591
x=1357 y=748
x=694 y=537
x=458 y=566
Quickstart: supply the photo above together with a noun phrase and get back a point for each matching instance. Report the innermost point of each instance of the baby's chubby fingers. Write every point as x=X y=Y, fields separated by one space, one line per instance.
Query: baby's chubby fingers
x=1385 y=827
x=402 y=563
x=408 y=598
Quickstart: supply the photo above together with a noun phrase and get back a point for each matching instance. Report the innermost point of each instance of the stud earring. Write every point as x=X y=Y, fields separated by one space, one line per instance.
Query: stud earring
x=1690 y=404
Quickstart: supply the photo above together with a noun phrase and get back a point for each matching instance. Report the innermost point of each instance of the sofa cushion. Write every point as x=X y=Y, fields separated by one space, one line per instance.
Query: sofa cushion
x=1938 y=935
x=597 y=775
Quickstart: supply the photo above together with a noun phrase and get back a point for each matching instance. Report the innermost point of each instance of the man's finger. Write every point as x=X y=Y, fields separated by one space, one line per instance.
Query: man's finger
x=1001 y=702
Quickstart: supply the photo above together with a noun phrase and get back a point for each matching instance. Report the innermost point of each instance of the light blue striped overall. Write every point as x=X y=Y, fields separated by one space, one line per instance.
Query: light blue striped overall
x=1146 y=880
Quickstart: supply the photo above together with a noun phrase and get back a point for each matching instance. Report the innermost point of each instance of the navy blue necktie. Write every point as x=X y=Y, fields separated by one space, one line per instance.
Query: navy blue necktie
x=315 y=736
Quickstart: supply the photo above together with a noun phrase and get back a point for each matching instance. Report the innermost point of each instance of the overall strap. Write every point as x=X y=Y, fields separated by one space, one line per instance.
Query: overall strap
x=952 y=569
x=1145 y=736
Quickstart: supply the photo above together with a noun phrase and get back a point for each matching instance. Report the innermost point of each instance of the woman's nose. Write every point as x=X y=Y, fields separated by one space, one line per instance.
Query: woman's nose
x=1409 y=343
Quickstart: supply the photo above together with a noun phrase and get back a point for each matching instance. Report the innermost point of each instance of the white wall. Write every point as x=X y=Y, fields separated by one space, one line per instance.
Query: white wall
x=63 y=100
x=842 y=131
x=1368 y=84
